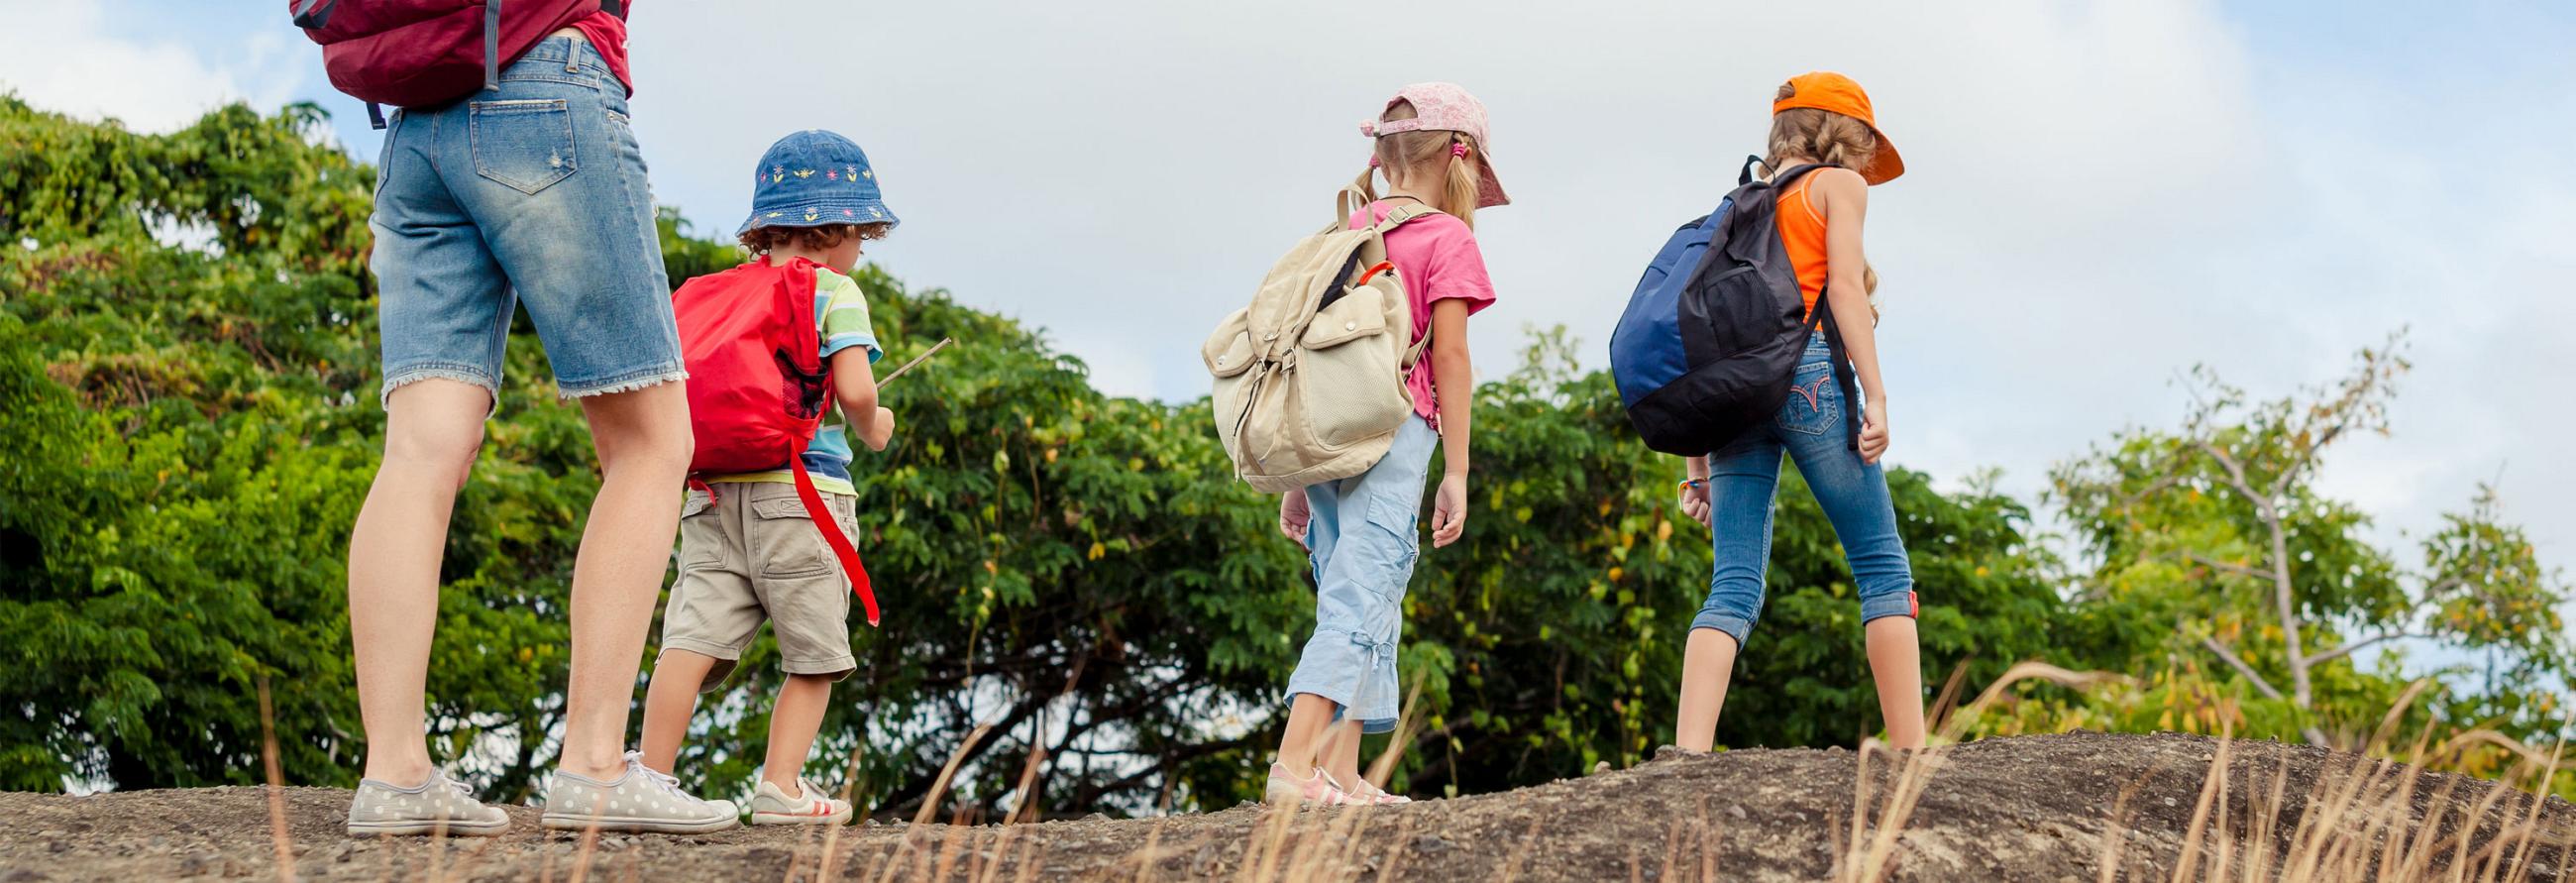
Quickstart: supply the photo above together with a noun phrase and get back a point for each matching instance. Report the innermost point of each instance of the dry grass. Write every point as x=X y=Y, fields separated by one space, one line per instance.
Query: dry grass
x=2365 y=816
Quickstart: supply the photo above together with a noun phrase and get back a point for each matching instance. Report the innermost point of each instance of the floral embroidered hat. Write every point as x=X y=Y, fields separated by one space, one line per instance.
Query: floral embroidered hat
x=812 y=178
x=1447 y=107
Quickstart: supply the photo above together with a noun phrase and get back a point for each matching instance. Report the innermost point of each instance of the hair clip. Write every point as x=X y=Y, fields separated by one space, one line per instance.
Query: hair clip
x=1458 y=149
x=1372 y=160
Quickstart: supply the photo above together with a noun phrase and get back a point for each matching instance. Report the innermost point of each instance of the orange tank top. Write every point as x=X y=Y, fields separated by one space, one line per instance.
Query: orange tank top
x=1802 y=233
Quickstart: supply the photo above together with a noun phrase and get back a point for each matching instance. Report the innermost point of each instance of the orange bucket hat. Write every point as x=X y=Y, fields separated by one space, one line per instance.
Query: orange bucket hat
x=1835 y=93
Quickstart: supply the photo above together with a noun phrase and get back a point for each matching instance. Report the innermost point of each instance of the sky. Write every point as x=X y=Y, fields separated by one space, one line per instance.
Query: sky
x=2101 y=193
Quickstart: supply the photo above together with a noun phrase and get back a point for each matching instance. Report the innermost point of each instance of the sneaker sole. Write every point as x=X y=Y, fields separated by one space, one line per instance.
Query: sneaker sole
x=417 y=828
x=785 y=818
x=631 y=825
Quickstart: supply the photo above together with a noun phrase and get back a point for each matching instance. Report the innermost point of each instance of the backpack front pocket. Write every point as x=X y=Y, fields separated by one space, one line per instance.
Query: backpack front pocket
x=524 y=145
x=1348 y=369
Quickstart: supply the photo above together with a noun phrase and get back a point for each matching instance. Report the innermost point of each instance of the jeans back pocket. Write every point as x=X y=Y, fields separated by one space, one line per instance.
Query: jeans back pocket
x=1815 y=401
x=526 y=145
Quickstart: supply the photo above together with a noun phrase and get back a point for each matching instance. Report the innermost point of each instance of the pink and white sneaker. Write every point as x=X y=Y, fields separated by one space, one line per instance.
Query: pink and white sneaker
x=1316 y=789
x=1369 y=794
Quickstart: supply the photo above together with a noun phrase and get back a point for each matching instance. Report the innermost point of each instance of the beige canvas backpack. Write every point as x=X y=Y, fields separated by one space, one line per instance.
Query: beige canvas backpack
x=1310 y=376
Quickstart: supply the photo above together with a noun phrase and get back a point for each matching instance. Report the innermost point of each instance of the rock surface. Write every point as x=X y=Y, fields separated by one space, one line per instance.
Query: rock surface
x=2027 y=808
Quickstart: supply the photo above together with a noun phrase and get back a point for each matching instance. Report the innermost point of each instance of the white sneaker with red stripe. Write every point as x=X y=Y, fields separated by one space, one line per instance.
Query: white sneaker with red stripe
x=770 y=805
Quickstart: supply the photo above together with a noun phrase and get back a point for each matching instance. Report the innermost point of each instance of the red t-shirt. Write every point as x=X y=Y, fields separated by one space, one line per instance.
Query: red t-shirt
x=1437 y=259
x=607 y=33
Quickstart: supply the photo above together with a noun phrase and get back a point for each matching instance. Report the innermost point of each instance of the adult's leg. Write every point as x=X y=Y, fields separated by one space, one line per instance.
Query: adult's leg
x=670 y=702
x=1741 y=481
x=432 y=429
x=642 y=437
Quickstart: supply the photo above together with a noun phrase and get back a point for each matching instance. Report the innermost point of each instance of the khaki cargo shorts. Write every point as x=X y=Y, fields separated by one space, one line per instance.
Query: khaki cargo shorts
x=750 y=554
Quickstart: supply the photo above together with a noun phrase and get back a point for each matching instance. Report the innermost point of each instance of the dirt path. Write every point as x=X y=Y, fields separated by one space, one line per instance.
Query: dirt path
x=2031 y=808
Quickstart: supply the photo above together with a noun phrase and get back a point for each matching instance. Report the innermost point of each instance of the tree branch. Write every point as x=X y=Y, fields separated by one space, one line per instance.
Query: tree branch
x=2230 y=657
x=2230 y=567
x=2236 y=478
x=2347 y=649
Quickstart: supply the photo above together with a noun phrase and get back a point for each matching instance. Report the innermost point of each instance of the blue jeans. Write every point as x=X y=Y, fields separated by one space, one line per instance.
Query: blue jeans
x=1811 y=427
x=1363 y=543
x=534 y=193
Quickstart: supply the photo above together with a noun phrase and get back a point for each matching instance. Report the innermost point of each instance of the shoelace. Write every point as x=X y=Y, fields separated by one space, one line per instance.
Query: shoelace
x=461 y=789
x=668 y=783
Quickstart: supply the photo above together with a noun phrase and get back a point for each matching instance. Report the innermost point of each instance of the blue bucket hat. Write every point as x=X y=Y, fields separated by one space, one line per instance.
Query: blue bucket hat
x=812 y=178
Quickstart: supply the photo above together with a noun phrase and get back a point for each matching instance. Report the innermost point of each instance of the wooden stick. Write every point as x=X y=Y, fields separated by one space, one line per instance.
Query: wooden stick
x=907 y=366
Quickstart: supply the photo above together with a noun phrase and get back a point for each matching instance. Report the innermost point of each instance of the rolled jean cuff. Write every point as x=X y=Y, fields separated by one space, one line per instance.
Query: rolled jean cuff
x=1734 y=626
x=1888 y=604
x=1368 y=725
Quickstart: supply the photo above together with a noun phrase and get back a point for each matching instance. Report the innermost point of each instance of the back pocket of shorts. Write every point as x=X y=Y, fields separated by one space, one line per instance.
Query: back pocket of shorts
x=525 y=145
x=786 y=540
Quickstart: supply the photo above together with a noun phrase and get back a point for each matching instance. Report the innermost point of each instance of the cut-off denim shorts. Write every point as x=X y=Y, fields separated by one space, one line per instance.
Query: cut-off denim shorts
x=1743 y=476
x=1363 y=543
x=534 y=193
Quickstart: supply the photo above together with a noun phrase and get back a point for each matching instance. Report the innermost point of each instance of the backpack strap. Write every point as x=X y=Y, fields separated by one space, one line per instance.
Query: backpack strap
x=492 y=45
x=1352 y=201
x=830 y=528
x=1823 y=319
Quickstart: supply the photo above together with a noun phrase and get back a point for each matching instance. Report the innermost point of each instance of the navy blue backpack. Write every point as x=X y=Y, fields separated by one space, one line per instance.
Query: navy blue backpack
x=1713 y=333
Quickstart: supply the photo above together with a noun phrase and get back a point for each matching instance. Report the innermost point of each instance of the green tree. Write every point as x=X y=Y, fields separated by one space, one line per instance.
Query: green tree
x=2217 y=528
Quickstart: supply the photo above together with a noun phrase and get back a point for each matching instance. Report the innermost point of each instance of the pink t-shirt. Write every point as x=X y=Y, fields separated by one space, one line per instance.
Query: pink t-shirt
x=1436 y=258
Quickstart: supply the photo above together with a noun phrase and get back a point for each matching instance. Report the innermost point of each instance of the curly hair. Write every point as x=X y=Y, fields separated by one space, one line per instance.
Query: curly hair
x=1820 y=135
x=761 y=240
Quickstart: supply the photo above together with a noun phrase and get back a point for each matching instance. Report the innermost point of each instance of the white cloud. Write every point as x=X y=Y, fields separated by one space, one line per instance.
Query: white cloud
x=62 y=57
x=2101 y=193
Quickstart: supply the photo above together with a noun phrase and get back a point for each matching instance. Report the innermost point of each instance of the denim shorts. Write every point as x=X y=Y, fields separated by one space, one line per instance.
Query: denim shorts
x=534 y=193
x=1363 y=543
x=1812 y=429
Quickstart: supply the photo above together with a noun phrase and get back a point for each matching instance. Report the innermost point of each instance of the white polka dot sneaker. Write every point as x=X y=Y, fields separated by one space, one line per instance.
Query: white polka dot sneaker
x=640 y=801
x=770 y=805
x=438 y=805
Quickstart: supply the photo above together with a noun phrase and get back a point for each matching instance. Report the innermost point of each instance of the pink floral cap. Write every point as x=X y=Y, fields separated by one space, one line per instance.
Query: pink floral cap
x=1447 y=107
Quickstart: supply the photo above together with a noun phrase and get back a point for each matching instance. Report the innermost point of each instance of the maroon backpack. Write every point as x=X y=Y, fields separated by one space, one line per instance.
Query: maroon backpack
x=420 y=53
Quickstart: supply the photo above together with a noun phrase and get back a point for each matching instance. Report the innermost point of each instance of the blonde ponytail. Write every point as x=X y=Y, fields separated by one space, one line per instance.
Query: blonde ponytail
x=1411 y=156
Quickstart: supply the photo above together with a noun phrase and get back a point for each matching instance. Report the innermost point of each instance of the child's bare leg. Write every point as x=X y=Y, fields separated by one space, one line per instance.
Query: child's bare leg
x=792 y=725
x=1342 y=753
x=432 y=430
x=1309 y=717
x=643 y=442
x=1896 y=664
x=1708 y=661
x=670 y=702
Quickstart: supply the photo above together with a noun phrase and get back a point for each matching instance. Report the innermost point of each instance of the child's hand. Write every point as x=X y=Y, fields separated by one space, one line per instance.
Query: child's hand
x=880 y=431
x=1695 y=500
x=1873 y=432
x=1294 y=516
x=1449 y=511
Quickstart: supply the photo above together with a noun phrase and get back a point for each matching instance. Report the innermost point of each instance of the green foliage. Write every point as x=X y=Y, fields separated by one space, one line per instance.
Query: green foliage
x=2217 y=529
x=187 y=365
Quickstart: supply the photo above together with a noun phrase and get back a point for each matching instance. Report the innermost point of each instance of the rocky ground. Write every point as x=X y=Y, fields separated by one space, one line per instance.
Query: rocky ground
x=2028 y=808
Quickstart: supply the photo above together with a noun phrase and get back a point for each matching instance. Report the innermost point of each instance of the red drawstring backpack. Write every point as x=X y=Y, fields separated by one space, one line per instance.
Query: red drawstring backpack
x=758 y=385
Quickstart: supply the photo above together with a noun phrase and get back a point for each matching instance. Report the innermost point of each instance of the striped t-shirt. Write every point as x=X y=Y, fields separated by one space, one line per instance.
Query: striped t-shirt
x=841 y=310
